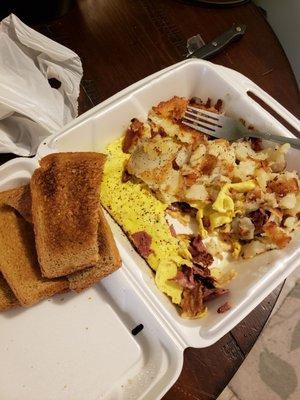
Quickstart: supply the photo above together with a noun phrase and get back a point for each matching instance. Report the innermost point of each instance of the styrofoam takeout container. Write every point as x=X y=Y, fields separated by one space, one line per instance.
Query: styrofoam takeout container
x=80 y=347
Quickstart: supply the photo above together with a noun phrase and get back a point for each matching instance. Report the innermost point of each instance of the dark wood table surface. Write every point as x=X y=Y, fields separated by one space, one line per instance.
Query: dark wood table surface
x=122 y=41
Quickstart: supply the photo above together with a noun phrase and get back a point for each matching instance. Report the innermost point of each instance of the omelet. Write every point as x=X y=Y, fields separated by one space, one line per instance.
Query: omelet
x=136 y=209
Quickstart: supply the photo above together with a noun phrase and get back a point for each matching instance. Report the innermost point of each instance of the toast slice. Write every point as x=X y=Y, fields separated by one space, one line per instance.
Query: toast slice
x=7 y=298
x=18 y=260
x=20 y=199
x=65 y=211
x=109 y=259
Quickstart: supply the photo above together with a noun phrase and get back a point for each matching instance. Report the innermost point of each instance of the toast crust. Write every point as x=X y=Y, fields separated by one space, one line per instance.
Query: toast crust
x=18 y=261
x=7 y=298
x=20 y=199
x=65 y=211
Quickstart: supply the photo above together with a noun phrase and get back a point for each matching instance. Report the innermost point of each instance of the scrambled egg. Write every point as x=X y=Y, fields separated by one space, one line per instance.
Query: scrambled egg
x=136 y=209
x=224 y=207
x=224 y=202
x=223 y=210
x=164 y=273
x=199 y=218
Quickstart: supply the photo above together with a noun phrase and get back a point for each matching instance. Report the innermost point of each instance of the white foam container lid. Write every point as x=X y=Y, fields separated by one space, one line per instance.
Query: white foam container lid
x=80 y=347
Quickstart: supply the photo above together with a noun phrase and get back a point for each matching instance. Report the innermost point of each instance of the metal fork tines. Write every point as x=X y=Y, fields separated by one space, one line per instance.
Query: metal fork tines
x=222 y=126
x=202 y=120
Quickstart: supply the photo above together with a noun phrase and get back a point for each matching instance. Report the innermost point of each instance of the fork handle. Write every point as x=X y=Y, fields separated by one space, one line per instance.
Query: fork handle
x=294 y=142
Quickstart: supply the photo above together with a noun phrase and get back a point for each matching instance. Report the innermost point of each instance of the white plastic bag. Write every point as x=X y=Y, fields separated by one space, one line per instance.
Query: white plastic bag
x=30 y=109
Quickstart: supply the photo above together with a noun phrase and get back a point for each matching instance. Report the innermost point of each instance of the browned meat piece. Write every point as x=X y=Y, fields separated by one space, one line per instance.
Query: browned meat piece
x=203 y=272
x=125 y=176
x=172 y=230
x=259 y=218
x=142 y=241
x=192 y=301
x=189 y=276
x=198 y=287
x=199 y=252
x=256 y=144
x=224 y=307
x=183 y=207
x=209 y=294
x=185 y=278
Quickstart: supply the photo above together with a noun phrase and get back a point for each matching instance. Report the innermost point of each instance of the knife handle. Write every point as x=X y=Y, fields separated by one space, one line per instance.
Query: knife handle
x=212 y=48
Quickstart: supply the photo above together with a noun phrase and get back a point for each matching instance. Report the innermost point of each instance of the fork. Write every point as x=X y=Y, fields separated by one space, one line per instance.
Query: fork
x=221 y=126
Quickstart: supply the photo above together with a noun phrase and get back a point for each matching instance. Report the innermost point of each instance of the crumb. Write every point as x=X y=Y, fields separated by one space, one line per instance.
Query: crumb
x=62 y=299
x=86 y=328
x=89 y=298
x=65 y=387
x=224 y=307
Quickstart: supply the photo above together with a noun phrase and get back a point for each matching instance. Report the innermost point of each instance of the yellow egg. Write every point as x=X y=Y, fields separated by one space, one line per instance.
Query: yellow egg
x=243 y=186
x=202 y=231
x=183 y=253
x=226 y=228
x=197 y=204
x=217 y=219
x=216 y=273
x=166 y=271
x=136 y=209
x=223 y=202
x=227 y=277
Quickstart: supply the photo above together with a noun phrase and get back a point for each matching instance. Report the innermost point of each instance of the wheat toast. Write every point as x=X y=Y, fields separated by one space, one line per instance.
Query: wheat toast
x=109 y=256
x=18 y=260
x=65 y=211
x=7 y=298
x=109 y=259
x=20 y=199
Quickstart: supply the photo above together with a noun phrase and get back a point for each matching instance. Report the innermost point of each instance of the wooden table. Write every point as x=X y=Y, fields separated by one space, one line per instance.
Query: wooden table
x=122 y=41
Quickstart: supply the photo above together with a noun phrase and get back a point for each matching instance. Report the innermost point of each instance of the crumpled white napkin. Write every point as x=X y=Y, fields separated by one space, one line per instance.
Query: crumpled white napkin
x=30 y=109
